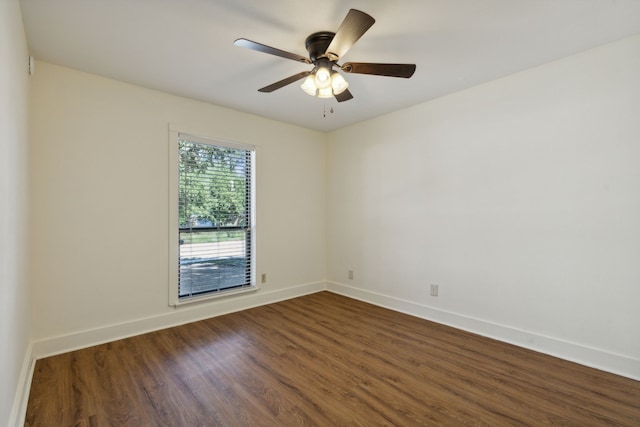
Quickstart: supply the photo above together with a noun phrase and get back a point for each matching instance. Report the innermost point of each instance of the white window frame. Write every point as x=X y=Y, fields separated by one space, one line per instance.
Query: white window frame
x=174 y=234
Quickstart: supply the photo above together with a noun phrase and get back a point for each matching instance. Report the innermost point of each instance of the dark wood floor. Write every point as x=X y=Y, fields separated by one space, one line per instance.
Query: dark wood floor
x=322 y=360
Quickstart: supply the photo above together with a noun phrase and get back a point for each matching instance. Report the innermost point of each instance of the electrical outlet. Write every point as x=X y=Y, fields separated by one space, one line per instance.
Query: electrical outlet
x=434 y=290
x=350 y=274
x=264 y=278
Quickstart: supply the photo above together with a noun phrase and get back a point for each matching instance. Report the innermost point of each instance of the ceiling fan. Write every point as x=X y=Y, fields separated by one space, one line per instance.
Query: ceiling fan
x=325 y=50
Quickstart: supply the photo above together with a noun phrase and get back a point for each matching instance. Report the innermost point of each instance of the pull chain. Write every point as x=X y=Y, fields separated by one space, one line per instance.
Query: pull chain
x=324 y=111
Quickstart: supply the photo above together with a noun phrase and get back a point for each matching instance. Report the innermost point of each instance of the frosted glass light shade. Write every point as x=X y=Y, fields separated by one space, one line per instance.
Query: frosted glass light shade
x=338 y=83
x=325 y=92
x=309 y=85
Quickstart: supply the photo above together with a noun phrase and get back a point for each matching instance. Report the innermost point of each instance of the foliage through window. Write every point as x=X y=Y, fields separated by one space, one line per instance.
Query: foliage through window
x=215 y=217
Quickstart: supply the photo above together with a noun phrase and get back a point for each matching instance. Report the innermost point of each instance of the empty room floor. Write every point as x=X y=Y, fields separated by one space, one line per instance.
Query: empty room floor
x=324 y=360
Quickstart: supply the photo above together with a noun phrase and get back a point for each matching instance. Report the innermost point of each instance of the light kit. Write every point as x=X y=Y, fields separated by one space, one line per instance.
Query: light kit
x=324 y=82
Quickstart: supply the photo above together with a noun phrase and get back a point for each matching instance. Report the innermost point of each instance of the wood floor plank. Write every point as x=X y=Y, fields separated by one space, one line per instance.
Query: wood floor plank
x=325 y=360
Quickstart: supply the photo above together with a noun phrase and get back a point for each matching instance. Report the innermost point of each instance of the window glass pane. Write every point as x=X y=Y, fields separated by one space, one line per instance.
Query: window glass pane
x=214 y=214
x=212 y=261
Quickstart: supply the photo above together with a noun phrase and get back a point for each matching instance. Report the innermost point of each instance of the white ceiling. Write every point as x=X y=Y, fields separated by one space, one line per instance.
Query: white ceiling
x=185 y=47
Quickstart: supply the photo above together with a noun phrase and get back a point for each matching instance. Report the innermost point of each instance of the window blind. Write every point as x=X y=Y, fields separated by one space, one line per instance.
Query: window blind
x=214 y=215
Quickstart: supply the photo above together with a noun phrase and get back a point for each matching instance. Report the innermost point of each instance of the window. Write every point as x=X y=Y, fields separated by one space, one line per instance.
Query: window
x=212 y=219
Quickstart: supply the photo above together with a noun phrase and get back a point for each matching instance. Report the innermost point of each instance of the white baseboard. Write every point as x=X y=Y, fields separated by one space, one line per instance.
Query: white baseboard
x=594 y=358
x=19 y=409
x=173 y=317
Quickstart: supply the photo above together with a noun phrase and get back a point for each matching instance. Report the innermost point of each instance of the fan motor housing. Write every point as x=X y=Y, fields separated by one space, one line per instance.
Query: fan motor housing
x=317 y=44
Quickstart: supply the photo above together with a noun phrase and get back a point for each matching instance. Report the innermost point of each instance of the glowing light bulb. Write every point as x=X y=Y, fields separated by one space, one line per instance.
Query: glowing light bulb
x=323 y=78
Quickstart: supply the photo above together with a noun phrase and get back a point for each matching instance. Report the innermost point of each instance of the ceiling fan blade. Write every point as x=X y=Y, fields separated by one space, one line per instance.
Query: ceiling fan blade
x=270 y=50
x=284 y=82
x=344 y=96
x=355 y=24
x=389 y=70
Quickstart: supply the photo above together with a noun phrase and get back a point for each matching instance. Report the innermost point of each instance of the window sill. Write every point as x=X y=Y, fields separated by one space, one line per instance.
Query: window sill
x=217 y=295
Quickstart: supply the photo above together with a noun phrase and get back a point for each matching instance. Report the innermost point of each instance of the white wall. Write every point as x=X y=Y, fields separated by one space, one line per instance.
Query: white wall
x=99 y=172
x=520 y=198
x=14 y=286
